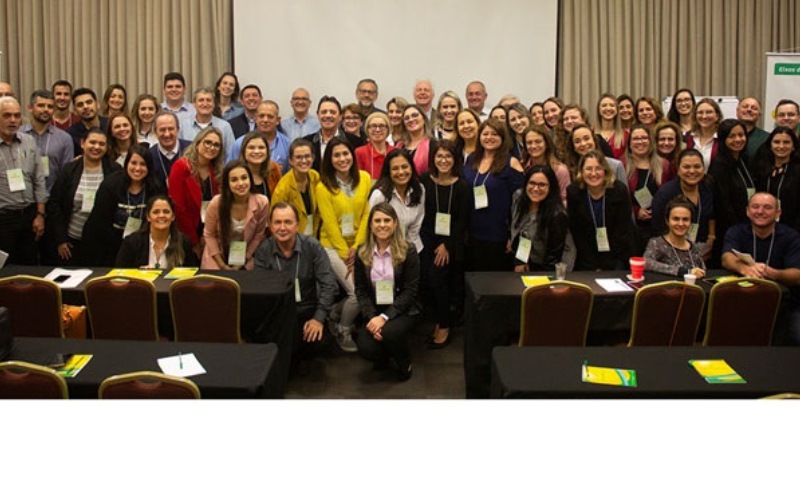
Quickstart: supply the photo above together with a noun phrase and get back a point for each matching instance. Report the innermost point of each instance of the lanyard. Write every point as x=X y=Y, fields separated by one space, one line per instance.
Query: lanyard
x=296 y=269
x=780 y=184
x=689 y=252
x=591 y=209
x=769 y=254
x=478 y=174
x=449 y=201
x=130 y=207
x=739 y=171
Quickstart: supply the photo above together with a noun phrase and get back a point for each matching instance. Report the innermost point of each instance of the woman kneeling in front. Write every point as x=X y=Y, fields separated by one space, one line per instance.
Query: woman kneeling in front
x=386 y=282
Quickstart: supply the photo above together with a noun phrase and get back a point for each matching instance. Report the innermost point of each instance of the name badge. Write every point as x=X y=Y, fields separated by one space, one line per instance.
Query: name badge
x=442 y=226
x=45 y=165
x=481 y=197
x=203 y=208
x=750 y=193
x=693 y=231
x=297 y=296
x=601 y=235
x=16 y=180
x=523 y=249
x=643 y=197
x=132 y=225
x=236 y=255
x=309 y=229
x=348 y=225
x=384 y=292
x=88 y=201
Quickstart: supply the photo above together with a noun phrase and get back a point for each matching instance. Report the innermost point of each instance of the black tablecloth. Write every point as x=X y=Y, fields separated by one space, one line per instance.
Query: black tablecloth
x=493 y=315
x=662 y=372
x=268 y=312
x=233 y=370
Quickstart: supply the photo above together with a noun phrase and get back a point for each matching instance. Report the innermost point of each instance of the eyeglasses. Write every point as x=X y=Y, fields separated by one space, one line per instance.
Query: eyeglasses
x=683 y=100
x=377 y=126
x=211 y=144
x=411 y=116
x=443 y=157
x=367 y=91
x=302 y=158
x=539 y=185
x=300 y=99
x=640 y=139
x=351 y=118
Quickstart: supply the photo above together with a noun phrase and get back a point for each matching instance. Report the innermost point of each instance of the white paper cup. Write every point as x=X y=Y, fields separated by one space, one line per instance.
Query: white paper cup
x=690 y=278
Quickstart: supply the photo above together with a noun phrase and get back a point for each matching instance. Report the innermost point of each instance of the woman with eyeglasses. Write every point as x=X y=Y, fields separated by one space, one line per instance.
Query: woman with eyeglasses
x=352 y=120
x=539 y=223
x=370 y=156
x=298 y=187
x=444 y=232
x=193 y=183
x=417 y=137
x=703 y=137
x=681 y=110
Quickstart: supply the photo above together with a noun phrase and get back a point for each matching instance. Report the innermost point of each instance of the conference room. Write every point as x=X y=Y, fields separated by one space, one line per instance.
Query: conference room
x=575 y=50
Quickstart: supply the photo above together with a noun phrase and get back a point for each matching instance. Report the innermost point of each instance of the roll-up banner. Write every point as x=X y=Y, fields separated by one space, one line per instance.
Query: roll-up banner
x=782 y=82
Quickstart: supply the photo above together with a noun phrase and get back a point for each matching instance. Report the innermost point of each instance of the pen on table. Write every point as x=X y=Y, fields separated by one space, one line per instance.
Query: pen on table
x=180 y=360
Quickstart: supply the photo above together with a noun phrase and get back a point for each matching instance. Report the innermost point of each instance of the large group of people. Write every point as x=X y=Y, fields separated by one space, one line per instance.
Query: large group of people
x=379 y=212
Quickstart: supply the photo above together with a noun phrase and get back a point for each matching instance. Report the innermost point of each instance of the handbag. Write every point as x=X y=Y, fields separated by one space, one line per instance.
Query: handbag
x=74 y=321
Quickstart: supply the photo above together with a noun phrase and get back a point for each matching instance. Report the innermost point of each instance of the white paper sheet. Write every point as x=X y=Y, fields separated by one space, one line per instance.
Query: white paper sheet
x=182 y=365
x=3 y=258
x=74 y=276
x=614 y=285
x=744 y=257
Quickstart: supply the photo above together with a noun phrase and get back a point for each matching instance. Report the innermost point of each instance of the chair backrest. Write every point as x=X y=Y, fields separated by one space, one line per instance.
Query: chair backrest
x=205 y=309
x=555 y=314
x=667 y=314
x=742 y=312
x=21 y=380
x=147 y=385
x=34 y=305
x=122 y=308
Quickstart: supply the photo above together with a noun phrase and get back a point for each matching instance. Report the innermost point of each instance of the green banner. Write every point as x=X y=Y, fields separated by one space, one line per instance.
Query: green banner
x=787 y=69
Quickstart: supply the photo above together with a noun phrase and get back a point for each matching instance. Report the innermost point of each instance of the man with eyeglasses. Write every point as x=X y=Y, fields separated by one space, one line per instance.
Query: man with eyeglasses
x=768 y=250
x=366 y=95
x=267 y=119
x=301 y=123
x=329 y=114
x=191 y=125
x=748 y=111
x=246 y=122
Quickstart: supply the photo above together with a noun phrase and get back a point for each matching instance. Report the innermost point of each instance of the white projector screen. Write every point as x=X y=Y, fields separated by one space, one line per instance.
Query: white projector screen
x=326 y=46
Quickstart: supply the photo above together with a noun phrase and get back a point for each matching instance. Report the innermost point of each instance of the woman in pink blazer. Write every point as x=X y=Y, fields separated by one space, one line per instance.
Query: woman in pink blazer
x=236 y=221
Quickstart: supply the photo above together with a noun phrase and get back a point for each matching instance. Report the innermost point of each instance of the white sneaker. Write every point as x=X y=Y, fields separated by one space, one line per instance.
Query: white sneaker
x=345 y=341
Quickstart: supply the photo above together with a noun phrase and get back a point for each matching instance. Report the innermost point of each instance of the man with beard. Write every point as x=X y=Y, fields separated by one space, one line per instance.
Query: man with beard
x=85 y=102
x=63 y=117
x=54 y=145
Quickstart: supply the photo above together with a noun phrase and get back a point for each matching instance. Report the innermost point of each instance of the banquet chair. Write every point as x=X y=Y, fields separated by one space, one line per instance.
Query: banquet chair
x=21 y=380
x=34 y=305
x=147 y=385
x=555 y=314
x=122 y=308
x=783 y=395
x=667 y=314
x=742 y=312
x=205 y=309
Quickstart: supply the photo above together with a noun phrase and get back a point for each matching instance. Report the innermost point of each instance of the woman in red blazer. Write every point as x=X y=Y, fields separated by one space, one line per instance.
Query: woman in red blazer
x=193 y=183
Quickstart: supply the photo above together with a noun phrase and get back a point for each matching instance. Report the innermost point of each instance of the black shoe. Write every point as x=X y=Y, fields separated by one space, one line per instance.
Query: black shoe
x=433 y=345
x=404 y=373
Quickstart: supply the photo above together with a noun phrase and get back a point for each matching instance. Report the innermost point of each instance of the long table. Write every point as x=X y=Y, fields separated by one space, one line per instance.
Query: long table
x=493 y=314
x=662 y=372
x=233 y=370
x=268 y=312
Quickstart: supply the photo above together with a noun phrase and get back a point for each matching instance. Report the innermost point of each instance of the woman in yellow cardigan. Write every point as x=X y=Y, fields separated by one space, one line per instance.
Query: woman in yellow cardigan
x=298 y=187
x=343 y=203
